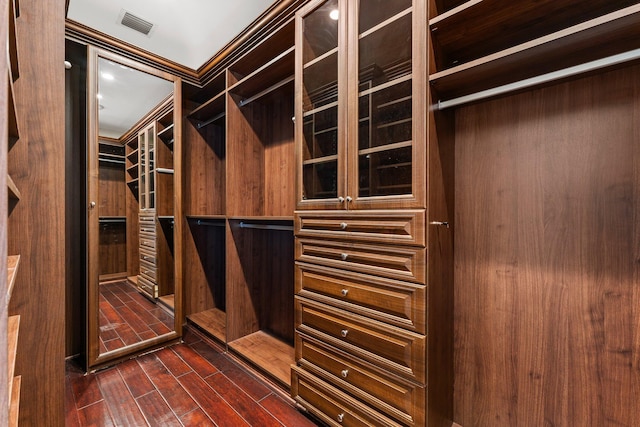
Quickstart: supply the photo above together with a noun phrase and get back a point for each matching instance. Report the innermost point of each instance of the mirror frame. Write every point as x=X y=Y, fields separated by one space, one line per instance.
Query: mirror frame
x=94 y=358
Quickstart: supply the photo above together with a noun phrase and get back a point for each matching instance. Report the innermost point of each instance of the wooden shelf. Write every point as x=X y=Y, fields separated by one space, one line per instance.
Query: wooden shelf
x=14 y=133
x=13 y=261
x=271 y=74
x=213 y=321
x=167 y=300
x=14 y=403
x=14 y=193
x=213 y=107
x=478 y=28
x=13 y=327
x=220 y=217
x=606 y=35
x=13 y=41
x=271 y=355
x=166 y=135
x=262 y=218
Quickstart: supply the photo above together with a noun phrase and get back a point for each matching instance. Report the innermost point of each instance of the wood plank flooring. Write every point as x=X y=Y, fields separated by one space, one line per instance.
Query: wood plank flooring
x=126 y=317
x=188 y=384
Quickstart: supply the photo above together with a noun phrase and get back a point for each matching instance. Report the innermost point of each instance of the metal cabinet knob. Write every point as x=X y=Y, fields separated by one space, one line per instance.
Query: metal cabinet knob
x=92 y=205
x=344 y=333
x=341 y=199
x=344 y=256
x=344 y=292
x=340 y=417
x=349 y=199
x=344 y=373
x=343 y=225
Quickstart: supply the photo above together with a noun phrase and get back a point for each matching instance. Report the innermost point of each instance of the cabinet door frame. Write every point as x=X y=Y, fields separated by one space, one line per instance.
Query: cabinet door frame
x=339 y=201
x=419 y=117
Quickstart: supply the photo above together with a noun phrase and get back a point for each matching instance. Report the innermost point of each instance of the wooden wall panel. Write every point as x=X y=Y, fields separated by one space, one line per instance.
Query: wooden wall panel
x=111 y=200
x=37 y=223
x=113 y=249
x=547 y=302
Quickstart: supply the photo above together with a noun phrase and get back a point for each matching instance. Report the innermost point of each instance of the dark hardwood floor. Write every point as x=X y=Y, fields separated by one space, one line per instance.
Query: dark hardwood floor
x=126 y=317
x=188 y=384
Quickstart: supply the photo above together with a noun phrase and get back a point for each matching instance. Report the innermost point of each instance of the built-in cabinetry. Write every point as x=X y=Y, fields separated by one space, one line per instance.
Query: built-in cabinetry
x=239 y=203
x=10 y=262
x=367 y=319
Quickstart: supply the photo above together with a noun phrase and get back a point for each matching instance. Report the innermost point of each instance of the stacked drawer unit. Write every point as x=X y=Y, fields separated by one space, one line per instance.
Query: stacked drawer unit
x=361 y=317
x=147 y=279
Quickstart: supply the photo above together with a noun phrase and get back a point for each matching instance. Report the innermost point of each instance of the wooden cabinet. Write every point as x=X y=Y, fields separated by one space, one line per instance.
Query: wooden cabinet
x=360 y=105
x=371 y=308
x=146 y=167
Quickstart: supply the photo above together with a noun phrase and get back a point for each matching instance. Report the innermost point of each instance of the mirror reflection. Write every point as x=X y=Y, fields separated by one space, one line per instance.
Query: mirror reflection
x=135 y=174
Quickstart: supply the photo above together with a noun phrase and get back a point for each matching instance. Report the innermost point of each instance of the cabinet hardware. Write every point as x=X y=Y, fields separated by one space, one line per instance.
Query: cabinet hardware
x=92 y=205
x=344 y=256
x=343 y=225
x=349 y=199
x=344 y=373
x=344 y=333
x=340 y=417
x=341 y=199
x=446 y=224
x=344 y=292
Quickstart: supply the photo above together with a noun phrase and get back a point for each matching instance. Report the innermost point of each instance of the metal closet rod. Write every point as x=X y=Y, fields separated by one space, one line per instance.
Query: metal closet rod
x=258 y=95
x=543 y=78
x=208 y=122
x=103 y=159
x=209 y=224
x=266 y=226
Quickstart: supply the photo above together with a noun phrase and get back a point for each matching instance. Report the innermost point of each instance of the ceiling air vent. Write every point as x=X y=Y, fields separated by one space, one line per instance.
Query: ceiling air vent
x=136 y=23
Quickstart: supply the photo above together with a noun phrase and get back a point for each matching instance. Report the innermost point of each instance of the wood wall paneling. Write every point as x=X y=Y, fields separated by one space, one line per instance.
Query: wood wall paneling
x=37 y=222
x=547 y=307
x=111 y=200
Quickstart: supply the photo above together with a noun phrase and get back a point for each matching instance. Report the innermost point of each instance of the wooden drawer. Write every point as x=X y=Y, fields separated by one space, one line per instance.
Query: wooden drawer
x=148 y=256
x=332 y=405
x=147 y=287
x=392 y=396
x=147 y=228
x=397 y=350
x=399 y=303
x=147 y=217
x=394 y=227
x=148 y=270
x=404 y=263
x=148 y=242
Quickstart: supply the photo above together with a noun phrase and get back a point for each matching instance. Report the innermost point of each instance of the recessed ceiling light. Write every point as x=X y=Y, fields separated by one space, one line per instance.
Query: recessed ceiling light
x=334 y=14
x=107 y=76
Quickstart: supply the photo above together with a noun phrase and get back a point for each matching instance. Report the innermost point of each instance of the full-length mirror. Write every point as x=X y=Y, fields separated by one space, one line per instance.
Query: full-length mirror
x=134 y=288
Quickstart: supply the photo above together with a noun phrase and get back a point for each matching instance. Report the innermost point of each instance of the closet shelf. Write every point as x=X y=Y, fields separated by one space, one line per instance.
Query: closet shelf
x=212 y=321
x=166 y=135
x=268 y=353
x=194 y=217
x=264 y=219
x=478 y=28
x=14 y=193
x=13 y=261
x=13 y=40
x=606 y=35
x=14 y=133
x=212 y=108
x=14 y=404
x=13 y=326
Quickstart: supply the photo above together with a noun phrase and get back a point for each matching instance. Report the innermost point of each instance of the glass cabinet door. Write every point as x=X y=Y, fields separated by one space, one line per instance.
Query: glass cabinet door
x=142 y=173
x=151 y=171
x=321 y=130
x=383 y=146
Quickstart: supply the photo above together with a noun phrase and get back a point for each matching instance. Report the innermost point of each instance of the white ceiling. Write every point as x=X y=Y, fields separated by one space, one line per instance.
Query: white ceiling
x=188 y=32
x=126 y=97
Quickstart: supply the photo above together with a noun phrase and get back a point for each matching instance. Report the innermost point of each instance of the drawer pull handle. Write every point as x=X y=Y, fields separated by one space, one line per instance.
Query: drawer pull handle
x=344 y=256
x=344 y=373
x=349 y=199
x=343 y=225
x=341 y=199
x=340 y=417
x=344 y=292
x=344 y=333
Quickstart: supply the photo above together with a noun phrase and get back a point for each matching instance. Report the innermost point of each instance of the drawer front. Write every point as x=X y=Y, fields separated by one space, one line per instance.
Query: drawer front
x=148 y=256
x=146 y=217
x=148 y=270
x=148 y=242
x=147 y=229
x=394 y=227
x=397 y=350
x=392 y=301
x=148 y=287
x=400 y=400
x=406 y=263
x=331 y=405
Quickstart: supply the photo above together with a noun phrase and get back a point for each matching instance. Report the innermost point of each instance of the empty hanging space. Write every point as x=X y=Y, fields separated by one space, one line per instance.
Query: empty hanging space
x=260 y=283
x=204 y=274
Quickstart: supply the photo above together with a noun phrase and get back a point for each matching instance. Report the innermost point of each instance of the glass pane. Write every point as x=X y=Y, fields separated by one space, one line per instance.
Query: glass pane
x=385 y=54
x=373 y=12
x=320 y=31
x=321 y=134
x=385 y=116
x=320 y=83
x=385 y=173
x=320 y=180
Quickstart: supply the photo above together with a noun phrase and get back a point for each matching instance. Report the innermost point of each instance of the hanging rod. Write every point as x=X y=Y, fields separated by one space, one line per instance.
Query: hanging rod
x=543 y=78
x=281 y=83
x=112 y=220
x=103 y=159
x=267 y=226
x=208 y=122
x=209 y=224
